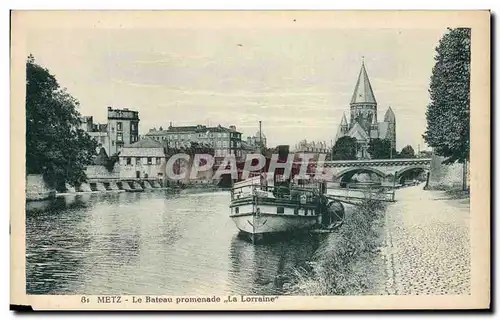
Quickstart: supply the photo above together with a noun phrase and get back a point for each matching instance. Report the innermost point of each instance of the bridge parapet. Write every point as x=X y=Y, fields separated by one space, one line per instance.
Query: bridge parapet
x=379 y=162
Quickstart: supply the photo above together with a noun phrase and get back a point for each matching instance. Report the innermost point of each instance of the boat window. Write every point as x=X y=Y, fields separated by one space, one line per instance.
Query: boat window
x=281 y=210
x=237 y=210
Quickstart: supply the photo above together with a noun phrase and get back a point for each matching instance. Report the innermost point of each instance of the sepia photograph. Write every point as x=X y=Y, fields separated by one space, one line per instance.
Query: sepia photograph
x=250 y=160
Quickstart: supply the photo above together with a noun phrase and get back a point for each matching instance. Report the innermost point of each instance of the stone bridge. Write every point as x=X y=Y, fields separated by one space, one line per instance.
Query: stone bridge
x=384 y=168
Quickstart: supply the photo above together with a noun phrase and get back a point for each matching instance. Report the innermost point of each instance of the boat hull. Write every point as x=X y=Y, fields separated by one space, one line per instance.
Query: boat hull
x=258 y=226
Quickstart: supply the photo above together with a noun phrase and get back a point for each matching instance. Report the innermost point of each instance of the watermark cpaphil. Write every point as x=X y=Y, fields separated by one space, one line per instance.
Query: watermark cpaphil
x=182 y=166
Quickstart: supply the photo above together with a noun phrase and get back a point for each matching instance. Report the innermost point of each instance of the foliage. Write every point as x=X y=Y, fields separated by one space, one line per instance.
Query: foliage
x=344 y=149
x=55 y=145
x=407 y=152
x=448 y=112
x=111 y=161
x=380 y=149
x=341 y=266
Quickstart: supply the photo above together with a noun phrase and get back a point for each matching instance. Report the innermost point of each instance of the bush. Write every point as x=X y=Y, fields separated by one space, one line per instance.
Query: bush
x=339 y=266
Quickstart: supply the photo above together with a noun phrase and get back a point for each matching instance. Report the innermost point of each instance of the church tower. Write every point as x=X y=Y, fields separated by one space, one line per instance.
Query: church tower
x=363 y=104
x=343 y=125
x=390 y=118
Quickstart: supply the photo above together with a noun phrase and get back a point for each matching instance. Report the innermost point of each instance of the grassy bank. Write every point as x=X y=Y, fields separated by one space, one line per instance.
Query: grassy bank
x=349 y=261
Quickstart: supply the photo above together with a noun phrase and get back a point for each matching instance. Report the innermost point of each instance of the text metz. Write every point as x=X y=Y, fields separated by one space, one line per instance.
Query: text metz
x=109 y=299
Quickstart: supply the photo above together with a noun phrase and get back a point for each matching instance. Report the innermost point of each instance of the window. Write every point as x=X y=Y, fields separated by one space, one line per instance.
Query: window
x=158 y=160
x=281 y=210
x=137 y=161
x=296 y=211
x=133 y=126
x=150 y=160
x=119 y=137
x=113 y=143
x=119 y=126
x=129 y=160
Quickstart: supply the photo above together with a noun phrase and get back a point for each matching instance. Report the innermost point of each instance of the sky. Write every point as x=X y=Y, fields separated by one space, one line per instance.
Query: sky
x=297 y=81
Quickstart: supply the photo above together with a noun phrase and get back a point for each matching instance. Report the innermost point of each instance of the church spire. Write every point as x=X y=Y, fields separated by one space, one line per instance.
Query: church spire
x=363 y=92
x=343 y=122
x=389 y=115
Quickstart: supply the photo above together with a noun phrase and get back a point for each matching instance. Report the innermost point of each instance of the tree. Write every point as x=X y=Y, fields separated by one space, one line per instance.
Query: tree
x=380 y=149
x=111 y=161
x=344 y=149
x=55 y=145
x=448 y=112
x=407 y=152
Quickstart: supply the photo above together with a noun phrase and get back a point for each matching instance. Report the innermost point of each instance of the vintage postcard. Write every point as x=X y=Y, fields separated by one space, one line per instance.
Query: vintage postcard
x=250 y=160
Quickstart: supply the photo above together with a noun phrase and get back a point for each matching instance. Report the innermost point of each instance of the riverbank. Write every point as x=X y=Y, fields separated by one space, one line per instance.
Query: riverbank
x=417 y=245
x=349 y=261
x=428 y=243
x=185 y=190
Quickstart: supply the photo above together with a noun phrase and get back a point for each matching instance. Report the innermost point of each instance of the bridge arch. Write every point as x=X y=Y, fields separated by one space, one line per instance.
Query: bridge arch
x=360 y=169
x=406 y=169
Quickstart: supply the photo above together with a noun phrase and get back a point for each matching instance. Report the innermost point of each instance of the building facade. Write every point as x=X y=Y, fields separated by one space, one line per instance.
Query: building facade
x=223 y=140
x=99 y=132
x=258 y=140
x=311 y=147
x=142 y=160
x=122 y=128
x=363 y=123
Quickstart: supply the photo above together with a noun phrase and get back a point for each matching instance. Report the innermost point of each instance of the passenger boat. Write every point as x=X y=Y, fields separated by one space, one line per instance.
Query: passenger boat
x=263 y=205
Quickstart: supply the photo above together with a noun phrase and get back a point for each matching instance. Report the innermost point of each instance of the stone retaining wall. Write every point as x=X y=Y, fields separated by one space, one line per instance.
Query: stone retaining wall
x=37 y=188
x=442 y=176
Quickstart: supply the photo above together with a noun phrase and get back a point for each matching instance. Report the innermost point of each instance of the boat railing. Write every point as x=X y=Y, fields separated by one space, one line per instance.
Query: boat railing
x=278 y=192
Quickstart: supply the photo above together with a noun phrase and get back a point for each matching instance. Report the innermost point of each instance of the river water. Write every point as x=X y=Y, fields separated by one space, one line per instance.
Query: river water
x=151 y=243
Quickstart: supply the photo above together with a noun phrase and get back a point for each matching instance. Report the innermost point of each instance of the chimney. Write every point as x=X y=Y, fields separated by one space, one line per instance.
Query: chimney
x=232 y=127
x=109 y=108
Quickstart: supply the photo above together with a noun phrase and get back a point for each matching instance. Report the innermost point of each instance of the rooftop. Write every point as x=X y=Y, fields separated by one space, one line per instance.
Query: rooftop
x=197 y=129
x=145 y=143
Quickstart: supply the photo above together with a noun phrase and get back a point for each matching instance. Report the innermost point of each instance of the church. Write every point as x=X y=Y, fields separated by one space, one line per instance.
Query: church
x=363 y=124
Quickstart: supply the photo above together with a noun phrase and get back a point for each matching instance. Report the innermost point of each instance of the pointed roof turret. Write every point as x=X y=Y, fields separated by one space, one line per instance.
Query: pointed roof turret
x=389 y=115
x=343 y=122
x=374 y=121
x=363 y=92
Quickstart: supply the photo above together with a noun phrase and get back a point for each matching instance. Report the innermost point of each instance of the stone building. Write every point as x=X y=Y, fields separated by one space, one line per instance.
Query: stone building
x=143 y=160
x=121 y=128
x=311 y=147
x=363 y=123
x=223 y=140
x=258 y=140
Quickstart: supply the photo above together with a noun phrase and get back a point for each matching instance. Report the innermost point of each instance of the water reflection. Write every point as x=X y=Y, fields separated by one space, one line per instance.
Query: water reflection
x=151 y=243
x=267 y=268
